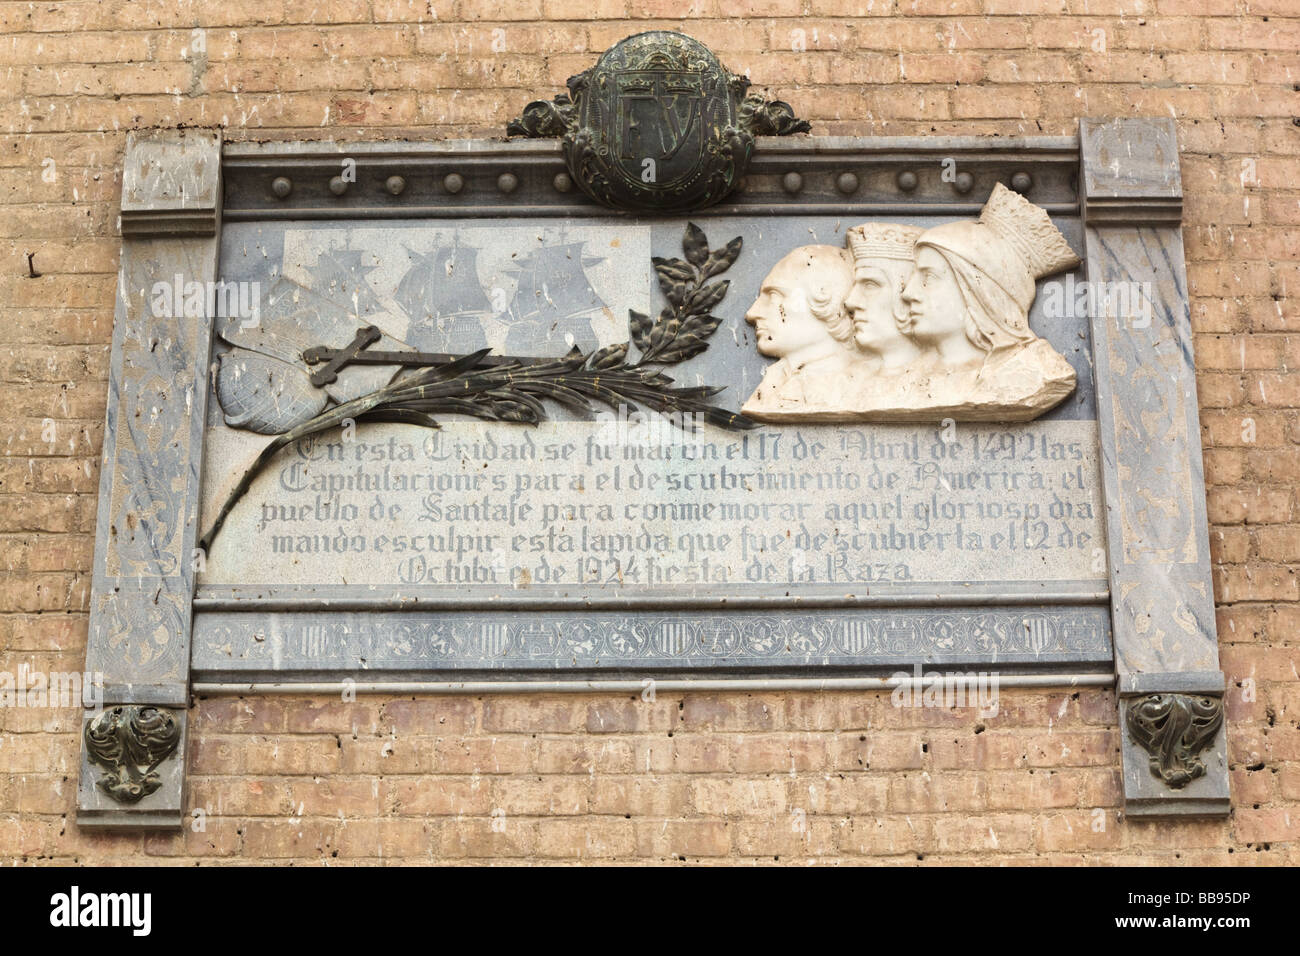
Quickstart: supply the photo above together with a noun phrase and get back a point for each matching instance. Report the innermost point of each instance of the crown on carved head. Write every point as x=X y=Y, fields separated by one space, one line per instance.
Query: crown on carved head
x=883 y=240
x=1029 y=231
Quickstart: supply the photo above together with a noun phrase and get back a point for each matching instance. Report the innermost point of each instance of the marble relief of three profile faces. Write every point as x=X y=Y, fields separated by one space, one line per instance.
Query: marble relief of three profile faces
x=906 y=324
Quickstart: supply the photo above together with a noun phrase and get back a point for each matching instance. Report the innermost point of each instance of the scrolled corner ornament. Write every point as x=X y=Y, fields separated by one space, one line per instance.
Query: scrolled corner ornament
x=131 y=742
x=1174 y=729
x=544 y=118
x=657 y=125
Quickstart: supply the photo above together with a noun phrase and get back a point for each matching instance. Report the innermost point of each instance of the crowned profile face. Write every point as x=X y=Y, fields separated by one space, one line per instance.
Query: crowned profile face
x=882 y=260
x=873 y=304
x=937 y=315
x=988 y=269
x=933 y=322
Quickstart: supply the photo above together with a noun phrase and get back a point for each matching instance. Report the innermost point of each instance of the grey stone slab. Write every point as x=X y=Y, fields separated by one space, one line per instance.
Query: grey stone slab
x=171 y=184
x=1162 y=595
x=1151 y=448
x=1184 y=682
x=543 y=188
x=261 y=559
x=146 y=527
x=1133 y=414
x=740 y=596
x=292 y=258
x=148 y=504
x=1130 y=171
x=503 y=530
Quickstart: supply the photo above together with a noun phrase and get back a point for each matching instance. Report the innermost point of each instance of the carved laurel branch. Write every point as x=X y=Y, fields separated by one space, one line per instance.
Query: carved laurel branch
x=685 y=325
x=130 y=743
x=513 y=391
x=1174 y=729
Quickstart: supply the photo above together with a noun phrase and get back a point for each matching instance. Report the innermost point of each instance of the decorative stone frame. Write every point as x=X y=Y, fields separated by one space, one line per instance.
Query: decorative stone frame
x=1120 y=176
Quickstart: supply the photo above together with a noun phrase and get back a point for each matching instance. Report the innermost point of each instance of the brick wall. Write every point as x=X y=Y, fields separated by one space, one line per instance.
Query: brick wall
x=762 y=776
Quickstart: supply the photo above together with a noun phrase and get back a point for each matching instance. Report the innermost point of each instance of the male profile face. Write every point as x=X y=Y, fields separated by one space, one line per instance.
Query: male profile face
x=875 y=305
x=782 y=315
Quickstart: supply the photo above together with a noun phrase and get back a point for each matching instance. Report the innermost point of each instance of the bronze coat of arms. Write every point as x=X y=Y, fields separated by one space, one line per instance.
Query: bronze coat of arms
x=658 y=124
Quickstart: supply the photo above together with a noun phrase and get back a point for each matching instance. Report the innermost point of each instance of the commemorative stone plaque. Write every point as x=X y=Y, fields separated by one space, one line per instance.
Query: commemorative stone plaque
x=656 y=391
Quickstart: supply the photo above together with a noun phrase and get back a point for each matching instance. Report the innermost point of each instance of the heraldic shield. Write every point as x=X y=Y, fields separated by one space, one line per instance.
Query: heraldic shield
x=658 y=125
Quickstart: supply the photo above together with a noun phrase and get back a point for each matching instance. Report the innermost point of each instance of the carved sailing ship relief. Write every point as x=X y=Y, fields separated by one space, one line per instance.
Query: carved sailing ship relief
x=444 y=300
x=553 y=292
x=269 y=392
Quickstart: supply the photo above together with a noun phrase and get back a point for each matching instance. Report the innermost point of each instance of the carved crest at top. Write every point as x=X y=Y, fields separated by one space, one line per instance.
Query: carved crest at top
x=658 y=124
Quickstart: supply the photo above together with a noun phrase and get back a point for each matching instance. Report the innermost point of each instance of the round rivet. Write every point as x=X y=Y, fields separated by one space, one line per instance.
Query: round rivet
x=395 y=185
x=282 y=186
x=507 y=182
x=453 y=182
x=963 y=183
x=792 y=183
x=1021 y=182
x=562 y=182
x=847 y=183
x=907 y=180
x=338 y=185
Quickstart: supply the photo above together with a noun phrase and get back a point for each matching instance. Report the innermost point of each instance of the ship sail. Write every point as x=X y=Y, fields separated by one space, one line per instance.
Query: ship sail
x=339 y=275
x=552 y=298
x=441 y=295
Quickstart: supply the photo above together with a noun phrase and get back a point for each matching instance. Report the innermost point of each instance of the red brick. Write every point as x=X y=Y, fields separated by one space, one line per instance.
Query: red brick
x=713 y=776
x=682 y=838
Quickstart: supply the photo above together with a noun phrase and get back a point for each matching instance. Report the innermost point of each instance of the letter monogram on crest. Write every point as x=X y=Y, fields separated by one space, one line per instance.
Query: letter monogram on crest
x=658 y=124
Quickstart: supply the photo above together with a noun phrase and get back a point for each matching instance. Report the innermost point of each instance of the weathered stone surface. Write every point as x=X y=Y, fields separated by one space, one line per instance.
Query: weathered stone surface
x=260 y=645
x=1161 y=592
x=86 y=74
x=626 y=508
x=148 y=504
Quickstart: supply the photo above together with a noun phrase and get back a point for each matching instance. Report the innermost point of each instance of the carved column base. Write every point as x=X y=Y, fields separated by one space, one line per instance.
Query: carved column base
x=132 y=767
x=1175 y=747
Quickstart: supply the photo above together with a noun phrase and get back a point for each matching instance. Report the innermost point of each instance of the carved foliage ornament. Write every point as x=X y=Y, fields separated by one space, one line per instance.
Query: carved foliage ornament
x=130 y=743
x=500 y=388
x=658 y=124
x=1174 y=729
